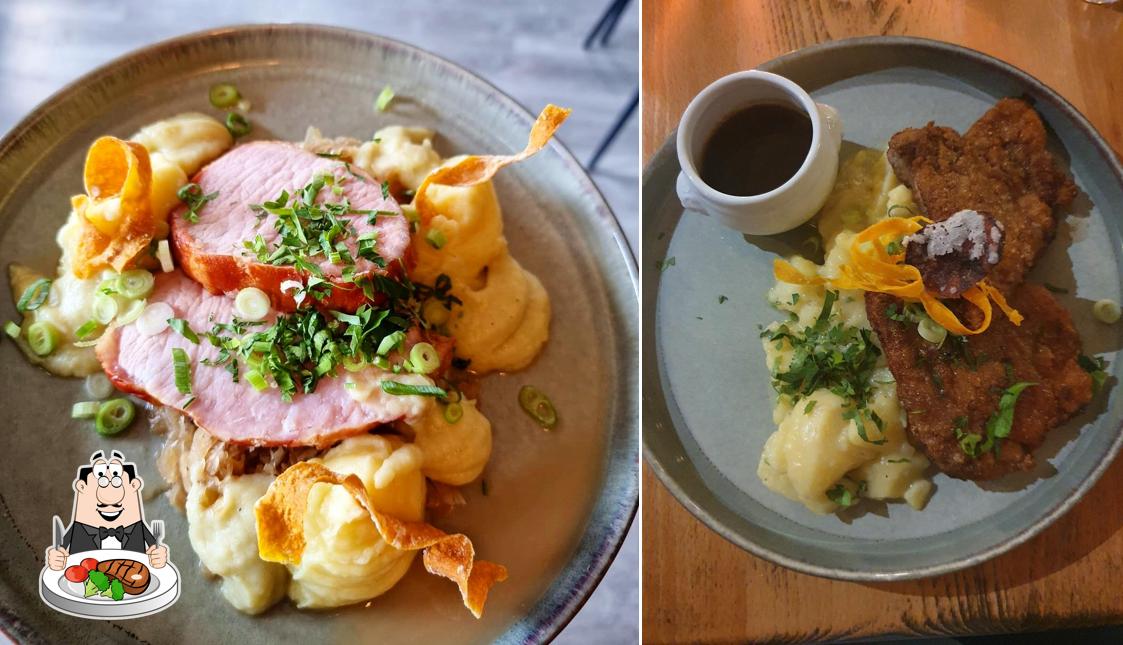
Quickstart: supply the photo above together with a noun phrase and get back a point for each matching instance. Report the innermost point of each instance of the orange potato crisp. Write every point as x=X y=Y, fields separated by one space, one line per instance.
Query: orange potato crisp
x=114 y=215
x=280 y=533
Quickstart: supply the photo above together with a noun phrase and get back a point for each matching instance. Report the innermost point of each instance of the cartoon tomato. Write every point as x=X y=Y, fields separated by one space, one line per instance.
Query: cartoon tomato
x=89 y=564
x=77 y=573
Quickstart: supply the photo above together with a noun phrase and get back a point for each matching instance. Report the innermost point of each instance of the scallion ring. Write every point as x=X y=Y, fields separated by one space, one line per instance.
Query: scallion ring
x=104 y=308
x=237 y=124
x=223 y=95
x=436 y=238
x=931 y=331
x=114 y=416
x=182 y=370
x=98 y=386
x=1106 y=311
x=256 y=379
x=424 y=358
x=136 y=283
x=12 y=330
x=453 y=412
x=538 y=406
x=34 y=295
x=353 y=363
x=85 y=409
x=131 y=311
x=435 y=312
x=252 y=304
x=83 y=332
x=43 y=337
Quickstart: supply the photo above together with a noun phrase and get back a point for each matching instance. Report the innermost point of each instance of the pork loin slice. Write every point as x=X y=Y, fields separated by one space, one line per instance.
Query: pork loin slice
x=236 y=412
x=212 y=250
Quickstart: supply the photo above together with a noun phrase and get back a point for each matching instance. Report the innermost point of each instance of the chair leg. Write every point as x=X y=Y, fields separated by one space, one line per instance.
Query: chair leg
x=616 y=128
x=606 y=24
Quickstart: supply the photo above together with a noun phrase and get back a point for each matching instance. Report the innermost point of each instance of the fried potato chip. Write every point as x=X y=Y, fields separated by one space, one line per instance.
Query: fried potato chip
x=114 y=216
x=475 y=169
x=280 y=533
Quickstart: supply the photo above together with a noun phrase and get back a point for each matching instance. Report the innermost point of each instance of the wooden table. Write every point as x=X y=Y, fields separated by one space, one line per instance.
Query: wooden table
x=698 y=587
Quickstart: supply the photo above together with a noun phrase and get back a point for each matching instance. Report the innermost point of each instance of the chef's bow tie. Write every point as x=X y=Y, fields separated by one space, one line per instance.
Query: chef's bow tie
x=117 y=532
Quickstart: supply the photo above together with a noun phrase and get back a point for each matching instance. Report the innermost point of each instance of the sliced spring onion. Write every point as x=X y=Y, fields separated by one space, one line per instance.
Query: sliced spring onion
x=164 y=255
x=436 y=238
x=1106 y=311
x=237 y=124
x=435 y=312
x=87 y=328
x=114 y=416
x=406 y=389
x=390 y=343
x=98 y=386
x=85 y=409
x=931 y=331
x=105 y=308
x=353 y=364
x=34 y=295
x=424 y=358
x=453 y=412
x=12 y=330
x=184 y=329
x=182 y=370
x=252 y=304
x=43 y=337
x=136 y=283
x=538 y=406
x=384 y=98
x=131 y=312
x=223 y=95
x=256 y=380
x=154 y=319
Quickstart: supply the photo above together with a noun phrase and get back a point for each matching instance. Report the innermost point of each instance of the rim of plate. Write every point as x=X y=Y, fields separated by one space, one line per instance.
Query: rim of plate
x=602 y=551
x=1045 y=519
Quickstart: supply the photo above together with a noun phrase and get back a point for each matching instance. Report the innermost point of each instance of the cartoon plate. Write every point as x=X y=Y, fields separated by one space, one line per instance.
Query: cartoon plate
x=69 y=596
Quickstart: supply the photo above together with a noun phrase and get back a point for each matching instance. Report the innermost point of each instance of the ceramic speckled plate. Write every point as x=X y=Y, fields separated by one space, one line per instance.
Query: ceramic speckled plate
x=707 y=400
x=558 y=503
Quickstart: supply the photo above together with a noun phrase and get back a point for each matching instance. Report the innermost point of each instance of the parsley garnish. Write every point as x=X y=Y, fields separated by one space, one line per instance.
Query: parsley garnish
x=721 y=299
x=1002 y=421
x=1096 y=367
x=663 y=265
x=192 y=195
x=841 y=495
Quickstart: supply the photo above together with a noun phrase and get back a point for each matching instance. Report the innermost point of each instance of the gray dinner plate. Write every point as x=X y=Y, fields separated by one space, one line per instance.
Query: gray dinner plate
x=707 y=401
x=557 y=503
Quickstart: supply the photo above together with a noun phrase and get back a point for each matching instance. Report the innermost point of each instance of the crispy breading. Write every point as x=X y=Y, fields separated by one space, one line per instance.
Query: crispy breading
x=1000 y=167
x=967 y=375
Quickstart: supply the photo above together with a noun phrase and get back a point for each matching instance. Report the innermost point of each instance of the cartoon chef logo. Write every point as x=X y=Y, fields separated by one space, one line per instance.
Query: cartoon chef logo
x=107 y=523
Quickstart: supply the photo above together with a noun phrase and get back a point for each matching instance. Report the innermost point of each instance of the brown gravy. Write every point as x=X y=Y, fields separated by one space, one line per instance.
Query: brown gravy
x=756 y=149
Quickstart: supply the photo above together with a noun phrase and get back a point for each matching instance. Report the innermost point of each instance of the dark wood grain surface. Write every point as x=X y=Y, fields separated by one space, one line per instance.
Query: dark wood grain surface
x=699 y=588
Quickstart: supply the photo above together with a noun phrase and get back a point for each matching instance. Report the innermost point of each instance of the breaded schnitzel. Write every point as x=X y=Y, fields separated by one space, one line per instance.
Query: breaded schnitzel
x=1000 y=167
x=951 y=391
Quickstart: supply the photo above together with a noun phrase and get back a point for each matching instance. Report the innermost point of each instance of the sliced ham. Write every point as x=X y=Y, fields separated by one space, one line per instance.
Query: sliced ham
x=212 y=250
x=236 y=412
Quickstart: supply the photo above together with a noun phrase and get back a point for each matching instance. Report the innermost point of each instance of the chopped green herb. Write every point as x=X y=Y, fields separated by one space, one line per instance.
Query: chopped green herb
x=1054 y=288
x=902 y=460
x=1096 y=367
x=663 y=265
x=1000 y=423
x=810 y=406
x=192 y=195
x=184 y=329
x=794 y=300
x=841 y=495
x=721 y=300
x=894 y=247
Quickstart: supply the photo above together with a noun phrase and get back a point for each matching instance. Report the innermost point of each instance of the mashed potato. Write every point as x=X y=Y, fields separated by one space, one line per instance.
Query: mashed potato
x=817 y=456
x=189 y=141
x=224 y=536
x=454 y=453
x=504 y=319
x=400 y=155
x=345 y=559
